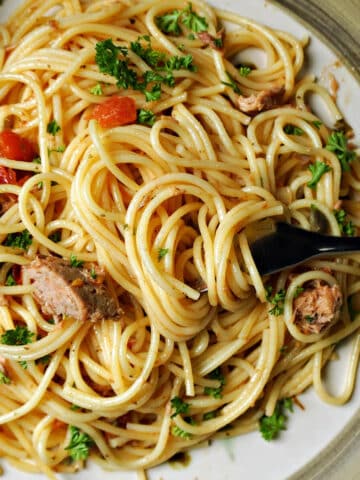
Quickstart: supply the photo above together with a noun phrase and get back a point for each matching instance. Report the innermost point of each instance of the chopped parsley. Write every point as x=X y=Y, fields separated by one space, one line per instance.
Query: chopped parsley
x=232 y=84
x=170 y=22
x=337 y=143
x=74 y=262
x=244 y=70
x=162 y=252
x=217 y=391
x=93 y=274
x=20 y=335
x=21 y=240
x=317 y=123
x=298 y=290
x=346 y=226
x=179 y=406
x=108 y=60
x=270 y=427
x=317 y=169
x=10 y=280
x=23 y=364
x=293 y=130
x=55 y=237
x=53 y=127
x=309 y=319
x=210 y=415
x=5 y=380
x=79 y=445
x=43 y=360
x=178 y=432
x=277 y=300
x=146 y=117
x=193 y=21
x=97 y=90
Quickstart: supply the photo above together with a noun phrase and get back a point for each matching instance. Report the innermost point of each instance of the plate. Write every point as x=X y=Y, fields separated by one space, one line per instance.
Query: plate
x=323 y=441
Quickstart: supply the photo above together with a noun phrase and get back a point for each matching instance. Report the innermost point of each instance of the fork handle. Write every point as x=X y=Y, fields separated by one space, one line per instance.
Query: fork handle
x=321 y=244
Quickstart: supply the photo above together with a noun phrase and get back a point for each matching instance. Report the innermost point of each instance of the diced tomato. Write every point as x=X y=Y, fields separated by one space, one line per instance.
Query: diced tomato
x=15 y=147
x=115 y=111
x=7 y=175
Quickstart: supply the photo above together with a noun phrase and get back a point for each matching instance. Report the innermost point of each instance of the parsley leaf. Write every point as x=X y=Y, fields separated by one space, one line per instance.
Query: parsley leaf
x=293 y=130
x=154 y=93
x=178 y=63
x=146 y=117
x=217 y=391
x=19 y=240
x=317 y=169
x=162 y=252
x=97 y=90
x=178 y=432
x=232 y=84
x=179 y=406
x=53 y=127
x=193 y=21
x=169 y=23
x=10 y=280
x=152 y=57
x=4 y=379
x=74 y=262
x=298 y=290
x=346 y=227
x=20 y=335
x=277 y=300
x=210 y=415
x=244 y=70
x=80 y=444
x=337 y=143
x=317 y=123
x=270 y=427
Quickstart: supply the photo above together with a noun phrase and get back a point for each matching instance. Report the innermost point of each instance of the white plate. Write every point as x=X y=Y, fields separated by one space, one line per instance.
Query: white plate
x=320 y=426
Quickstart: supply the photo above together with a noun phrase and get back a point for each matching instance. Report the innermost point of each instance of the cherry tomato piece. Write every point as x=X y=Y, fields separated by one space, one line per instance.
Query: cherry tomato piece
x=15 y=147
x=115 y=111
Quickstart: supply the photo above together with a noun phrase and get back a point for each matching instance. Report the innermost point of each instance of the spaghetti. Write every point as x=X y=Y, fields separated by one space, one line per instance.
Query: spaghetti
x=166 y=203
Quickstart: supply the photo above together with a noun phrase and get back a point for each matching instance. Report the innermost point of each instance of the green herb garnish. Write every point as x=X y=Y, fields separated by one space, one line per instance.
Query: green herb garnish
x=53 y=127
x=277 y=300
x=317 y=169
x=179 y=406
x=21 y=240
x=293 y=130
x=346 y=226
x=5 y=380
x=162 y=252
x=170 y=22
x=217 y=391
x=244 y=70
x=79 y=445
x=146 y=117
x=178 y=432
x=97 y=90
x=338 y=143
x=20 y=335
x=74 y=262
x=232 y=84
x=270 y=427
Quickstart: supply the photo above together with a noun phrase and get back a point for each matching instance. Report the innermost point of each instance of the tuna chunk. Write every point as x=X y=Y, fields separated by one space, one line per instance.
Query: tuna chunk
x=317 y=307
x=63 y=290
x=264 y=100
